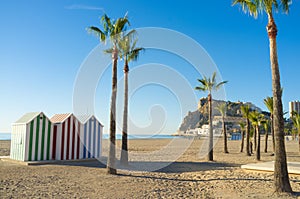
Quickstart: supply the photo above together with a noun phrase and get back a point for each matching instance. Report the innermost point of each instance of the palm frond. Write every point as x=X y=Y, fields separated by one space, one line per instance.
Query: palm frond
x=222 y=108
x=97 y=32
x=285 y=4
x=245 y=110
x=134 y=54
x=242 y=125
x=255 y=117
x=203 y=81
x=131 y=35
x=209 y=83
x=120 y=26
x=220 y=84
x=248 y=6
x=200 y=88
x=269 y=104
x=108 y=51
x=106 y=23
x=296 y=119
x=213 y=78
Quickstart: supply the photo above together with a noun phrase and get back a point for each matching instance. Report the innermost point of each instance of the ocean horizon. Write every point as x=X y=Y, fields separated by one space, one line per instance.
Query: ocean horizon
x=7 y=136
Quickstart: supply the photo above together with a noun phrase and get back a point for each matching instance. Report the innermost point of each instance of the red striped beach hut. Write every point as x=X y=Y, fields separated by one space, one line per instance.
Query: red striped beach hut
x=76 y=138
x=31 y=138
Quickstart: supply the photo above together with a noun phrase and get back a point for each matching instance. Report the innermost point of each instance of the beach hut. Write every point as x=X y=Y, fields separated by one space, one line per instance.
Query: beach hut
x=91 y=136
x=76 y=138
x=31 y=138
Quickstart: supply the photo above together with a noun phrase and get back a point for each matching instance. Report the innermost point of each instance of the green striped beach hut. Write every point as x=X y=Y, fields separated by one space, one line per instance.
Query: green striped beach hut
x=32 y=137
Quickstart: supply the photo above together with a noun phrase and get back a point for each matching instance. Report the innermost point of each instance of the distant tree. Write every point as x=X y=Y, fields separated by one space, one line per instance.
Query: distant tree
x=269 y=104
x=245 y=109
x=296 y=121
x=222 y=109
x=254 y=136
x=257 y=120
x=242 y=125
x=254 y=8
x=209 y=84
x=266 y=125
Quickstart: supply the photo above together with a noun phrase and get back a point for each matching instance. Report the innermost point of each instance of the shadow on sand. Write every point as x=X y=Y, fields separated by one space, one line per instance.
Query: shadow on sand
x=161 y=167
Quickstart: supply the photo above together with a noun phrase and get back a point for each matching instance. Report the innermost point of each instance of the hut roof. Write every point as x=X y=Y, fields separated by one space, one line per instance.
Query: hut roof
x=60 y=118
x=84 y=118
x=28 y=117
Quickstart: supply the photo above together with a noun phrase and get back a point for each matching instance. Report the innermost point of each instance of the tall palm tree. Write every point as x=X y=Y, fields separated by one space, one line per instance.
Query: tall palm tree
x=222 y=109
x=246 y=112
x=269 y=104
x=296 y=121
x=242 y=125
x=210 y=84
x=112 y=30
x=256 y=118
x=255 y=7
x=129 y=52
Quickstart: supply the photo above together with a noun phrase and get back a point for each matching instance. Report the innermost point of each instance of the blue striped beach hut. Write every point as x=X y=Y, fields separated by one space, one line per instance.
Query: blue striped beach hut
x=31 y=138
x=91 y=136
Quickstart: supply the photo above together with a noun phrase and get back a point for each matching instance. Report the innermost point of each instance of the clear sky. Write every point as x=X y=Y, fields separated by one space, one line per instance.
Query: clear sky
x=43 y=44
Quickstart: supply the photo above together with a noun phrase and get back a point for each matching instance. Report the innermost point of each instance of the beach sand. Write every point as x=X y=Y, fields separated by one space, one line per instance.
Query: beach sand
x=188 y=177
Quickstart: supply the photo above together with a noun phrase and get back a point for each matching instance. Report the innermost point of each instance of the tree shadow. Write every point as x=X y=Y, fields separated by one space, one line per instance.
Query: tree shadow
x=159 y=166
x=180 y=167
x=174 y=167
x=192 y=180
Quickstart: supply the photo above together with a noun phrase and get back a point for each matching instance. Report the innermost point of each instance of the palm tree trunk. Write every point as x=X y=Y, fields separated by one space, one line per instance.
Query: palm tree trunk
x=248 y=138
x=111 y=168
x=281 y=176
x=124 y=152
x=272 y=132
x=258 y=144
x=299 y=138
x=254 y=138
x=210 y=155
x=242 y=142
x=266 y=141
x=225 y=136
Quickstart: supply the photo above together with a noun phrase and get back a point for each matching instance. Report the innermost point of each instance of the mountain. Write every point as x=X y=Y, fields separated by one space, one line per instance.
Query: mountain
x=199 y=117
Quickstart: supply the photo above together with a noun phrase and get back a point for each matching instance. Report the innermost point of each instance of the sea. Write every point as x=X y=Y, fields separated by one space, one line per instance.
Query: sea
x=7 y=136
x=134 y=137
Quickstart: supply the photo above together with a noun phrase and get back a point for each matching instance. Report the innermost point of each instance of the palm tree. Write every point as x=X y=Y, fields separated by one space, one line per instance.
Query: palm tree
x=254 y=135
x=222 y=109
x=129 y=52
x=242 y=125
x=256 y=118
x=269 y=104
x=255 y=7
x=265 y=124
x=246 y=112
x=296 y=121
x=111 y=29
x=210 y=84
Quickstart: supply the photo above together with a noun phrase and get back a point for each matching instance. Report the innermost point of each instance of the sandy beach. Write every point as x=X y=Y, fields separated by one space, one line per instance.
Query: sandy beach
x=188 y=177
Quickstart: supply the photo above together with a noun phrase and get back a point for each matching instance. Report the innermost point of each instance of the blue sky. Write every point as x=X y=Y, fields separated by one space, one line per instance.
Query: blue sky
x=43 y=44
